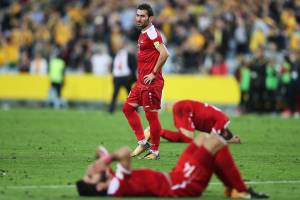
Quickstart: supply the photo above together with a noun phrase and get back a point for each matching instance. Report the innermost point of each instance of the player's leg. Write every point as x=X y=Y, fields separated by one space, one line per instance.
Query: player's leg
x=134 y=121
x=193 y=169
x=117 y=86
x=224 y=165
x=151 y=99
x=129 y=110
x=127 y=85
x=183 y=123
x=210 y=152
x=155 y=129
x=228 y=172
x=188 y=152
x=177 y=136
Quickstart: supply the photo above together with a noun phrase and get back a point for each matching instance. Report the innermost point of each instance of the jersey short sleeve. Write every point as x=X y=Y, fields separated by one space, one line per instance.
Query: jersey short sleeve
x=154 y=36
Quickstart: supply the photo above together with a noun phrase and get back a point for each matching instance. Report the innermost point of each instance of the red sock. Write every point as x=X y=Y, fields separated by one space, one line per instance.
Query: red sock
x=227 y=171
x=175 y=136
x=134 y=121
x=155 y=129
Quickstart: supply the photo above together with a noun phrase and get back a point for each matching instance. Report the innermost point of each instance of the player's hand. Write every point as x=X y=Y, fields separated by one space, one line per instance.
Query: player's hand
x=149 y=78
x=235 y=140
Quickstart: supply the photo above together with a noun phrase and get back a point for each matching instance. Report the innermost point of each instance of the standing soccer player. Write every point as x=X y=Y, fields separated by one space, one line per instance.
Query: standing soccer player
x=152 y=54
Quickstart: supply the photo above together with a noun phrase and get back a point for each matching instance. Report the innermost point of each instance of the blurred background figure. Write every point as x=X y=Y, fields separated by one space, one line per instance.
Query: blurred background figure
x=56 y=77
x=243 y=75
x=38 y=65
x=87 y=33
x=219 y=67
x=123 y=71
x=292 y=85
x=101 y=60
x=271 y=84
x=257 y=86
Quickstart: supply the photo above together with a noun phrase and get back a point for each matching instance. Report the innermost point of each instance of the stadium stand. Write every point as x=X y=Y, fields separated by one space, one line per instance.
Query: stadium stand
x=256 y=40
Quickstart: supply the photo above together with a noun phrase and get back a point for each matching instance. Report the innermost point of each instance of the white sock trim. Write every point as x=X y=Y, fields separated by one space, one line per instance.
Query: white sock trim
x=154 y=152
x=142 y=142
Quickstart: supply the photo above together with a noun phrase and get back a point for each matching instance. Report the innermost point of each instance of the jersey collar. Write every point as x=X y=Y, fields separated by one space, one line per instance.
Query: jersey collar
x=144 y=31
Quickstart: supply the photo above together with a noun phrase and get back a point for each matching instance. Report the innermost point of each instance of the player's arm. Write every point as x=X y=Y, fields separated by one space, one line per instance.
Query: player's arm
x=163 y=56
x=123 y=156
x=186 y=132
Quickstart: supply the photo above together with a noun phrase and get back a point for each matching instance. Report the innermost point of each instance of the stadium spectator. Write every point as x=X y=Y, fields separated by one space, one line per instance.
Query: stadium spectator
x=230 y=28
x=219 y=67
x=285 y=79
x=123 y=71
x=2 y=53
x=257 y=84
x=56 y=77
x=293 y=92
x=241 y=37
x=38 y=65
x=147 y=91
x=24 y=63
x=12 y=53
x=243 y=75
x=101 y=61
x=271 y=84
x=226 y=23
x=189 y=115
x=206 y=156
x=192 y=48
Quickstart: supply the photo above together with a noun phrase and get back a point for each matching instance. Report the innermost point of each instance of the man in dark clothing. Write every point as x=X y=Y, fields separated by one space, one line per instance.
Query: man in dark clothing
x=257 y=85
x=124 y=67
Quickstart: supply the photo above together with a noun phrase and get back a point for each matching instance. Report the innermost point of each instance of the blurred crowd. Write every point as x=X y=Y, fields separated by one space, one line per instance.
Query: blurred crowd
x=203 y=36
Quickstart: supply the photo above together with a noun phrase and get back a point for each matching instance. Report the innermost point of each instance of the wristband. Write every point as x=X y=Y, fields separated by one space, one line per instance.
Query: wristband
x=154 y=73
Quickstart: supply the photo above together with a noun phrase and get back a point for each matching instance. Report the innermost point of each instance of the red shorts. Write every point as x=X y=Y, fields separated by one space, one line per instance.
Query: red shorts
x=147 y=96
x=183 y=118
x=193 y=171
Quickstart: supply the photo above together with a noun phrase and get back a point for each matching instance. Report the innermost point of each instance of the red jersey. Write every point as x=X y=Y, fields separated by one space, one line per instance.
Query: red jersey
x=148 y=55
x=139 y=182
x=193 y=115
x=188 y=178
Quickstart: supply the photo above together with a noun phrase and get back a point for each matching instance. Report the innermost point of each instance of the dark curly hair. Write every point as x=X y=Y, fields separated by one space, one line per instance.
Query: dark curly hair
x=147 y=7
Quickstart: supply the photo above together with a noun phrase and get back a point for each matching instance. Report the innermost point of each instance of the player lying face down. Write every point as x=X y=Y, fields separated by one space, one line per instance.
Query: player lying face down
x=205 y=156
x=190 y=115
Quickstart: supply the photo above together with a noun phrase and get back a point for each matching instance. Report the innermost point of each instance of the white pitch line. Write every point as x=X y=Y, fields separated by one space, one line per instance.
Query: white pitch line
x=38 y=187
x=213 y=183
x=264 y=182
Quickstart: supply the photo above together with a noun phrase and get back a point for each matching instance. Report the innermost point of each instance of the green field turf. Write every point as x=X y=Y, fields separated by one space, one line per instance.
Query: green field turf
x=43 y=152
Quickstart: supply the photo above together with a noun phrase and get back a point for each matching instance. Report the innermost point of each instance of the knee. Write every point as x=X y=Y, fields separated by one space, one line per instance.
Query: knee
x=127 y=109
x=151 y=115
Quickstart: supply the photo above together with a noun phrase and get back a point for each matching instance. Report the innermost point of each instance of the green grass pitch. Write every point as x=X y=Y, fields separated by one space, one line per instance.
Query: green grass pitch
x=43 y=152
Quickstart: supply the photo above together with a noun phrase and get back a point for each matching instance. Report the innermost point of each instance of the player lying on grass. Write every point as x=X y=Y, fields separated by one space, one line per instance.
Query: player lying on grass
x=188 y=116
x=189 y=178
